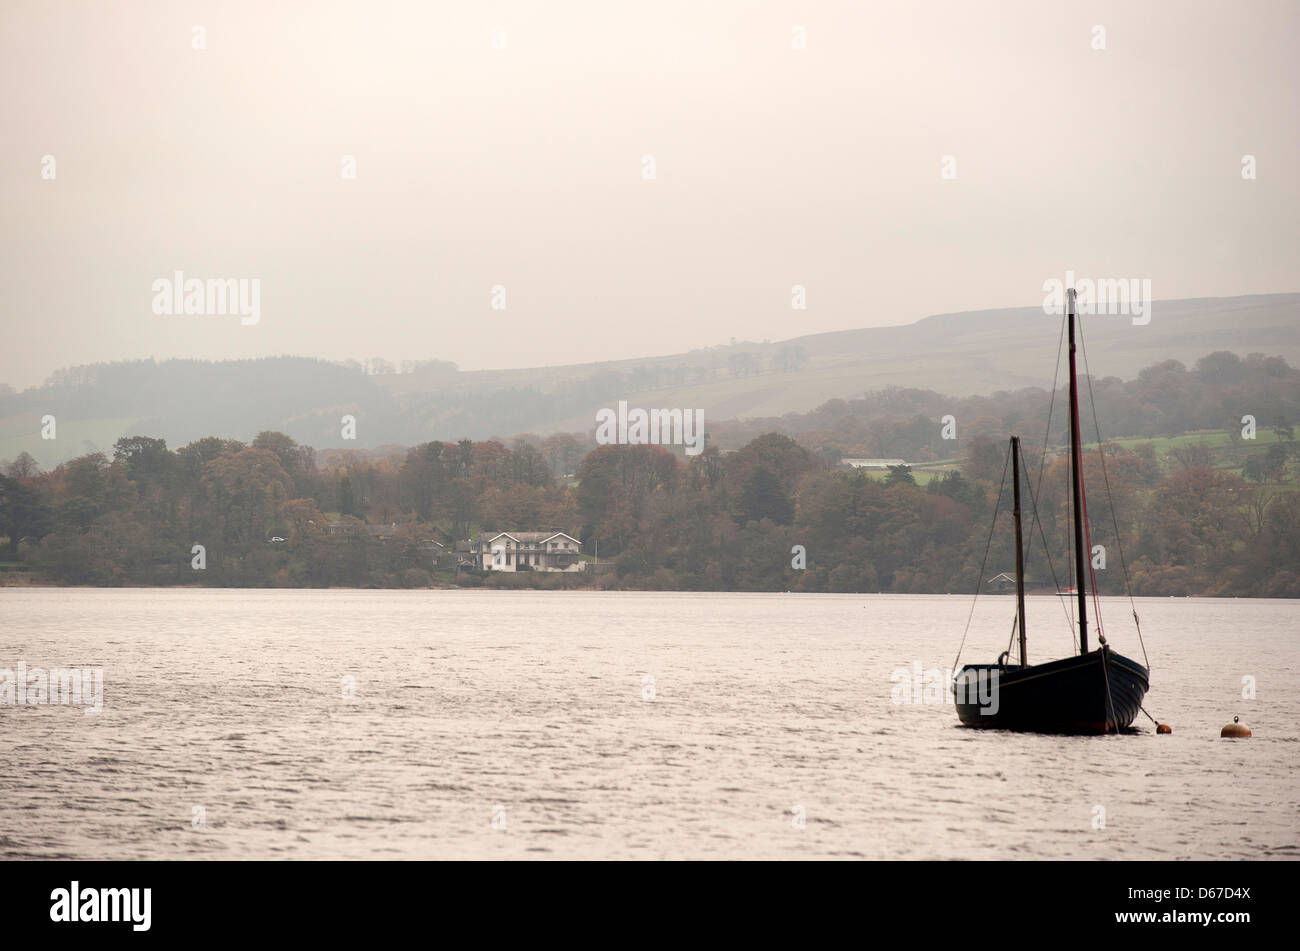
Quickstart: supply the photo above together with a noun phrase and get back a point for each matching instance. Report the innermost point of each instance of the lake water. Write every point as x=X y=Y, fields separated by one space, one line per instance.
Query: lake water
x=487 y=724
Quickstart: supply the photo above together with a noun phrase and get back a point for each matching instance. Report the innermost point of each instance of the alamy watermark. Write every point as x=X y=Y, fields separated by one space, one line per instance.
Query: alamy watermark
x=75 y=903
x=918 y=685
x=1125 y=297
x=661 y=427
x=215 y=297
x=37 y=686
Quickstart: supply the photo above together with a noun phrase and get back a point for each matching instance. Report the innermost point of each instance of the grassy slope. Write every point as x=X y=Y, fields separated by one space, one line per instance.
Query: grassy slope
x=959 y=354
x=978 y=353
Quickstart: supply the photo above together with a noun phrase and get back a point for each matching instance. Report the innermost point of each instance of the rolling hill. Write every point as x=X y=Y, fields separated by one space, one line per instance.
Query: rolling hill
x=962 y=354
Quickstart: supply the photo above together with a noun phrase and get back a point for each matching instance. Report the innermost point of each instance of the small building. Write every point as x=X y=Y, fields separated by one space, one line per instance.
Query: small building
x=880 y=464
x=463 y=551
x=527 y=551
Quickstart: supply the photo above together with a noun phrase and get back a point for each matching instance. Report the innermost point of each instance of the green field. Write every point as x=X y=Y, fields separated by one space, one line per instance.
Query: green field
x=1217 y=442
x=1211 y=440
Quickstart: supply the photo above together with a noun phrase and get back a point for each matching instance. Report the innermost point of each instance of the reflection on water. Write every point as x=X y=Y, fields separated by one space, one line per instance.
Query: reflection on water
x=450 y=724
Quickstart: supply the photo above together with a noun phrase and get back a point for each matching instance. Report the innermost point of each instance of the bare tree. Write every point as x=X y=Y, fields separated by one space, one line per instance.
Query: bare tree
x=1254 y=503
x=23 y=467
x=1198 y=456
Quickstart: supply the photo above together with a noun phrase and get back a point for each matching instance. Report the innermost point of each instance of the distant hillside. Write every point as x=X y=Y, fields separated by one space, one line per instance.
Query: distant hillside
x=184 y=400
x=964 y=354
x=975 y=353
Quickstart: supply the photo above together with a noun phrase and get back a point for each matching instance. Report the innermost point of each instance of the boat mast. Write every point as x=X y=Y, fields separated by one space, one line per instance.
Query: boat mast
x=1020 y=548
x=1076 y=480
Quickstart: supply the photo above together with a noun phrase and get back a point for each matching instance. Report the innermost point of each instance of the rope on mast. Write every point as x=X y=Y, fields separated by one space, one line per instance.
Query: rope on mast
x=1087 y=534
x=1119 y=542
x=979 y=582
x=1033 y=491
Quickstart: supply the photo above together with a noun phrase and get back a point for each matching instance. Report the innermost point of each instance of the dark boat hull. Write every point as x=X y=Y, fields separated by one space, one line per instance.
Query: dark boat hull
x=1097 y=692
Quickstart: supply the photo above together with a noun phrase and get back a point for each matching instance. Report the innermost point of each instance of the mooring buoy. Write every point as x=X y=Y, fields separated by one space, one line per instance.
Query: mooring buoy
x=1164 y=728
x=1235 y=728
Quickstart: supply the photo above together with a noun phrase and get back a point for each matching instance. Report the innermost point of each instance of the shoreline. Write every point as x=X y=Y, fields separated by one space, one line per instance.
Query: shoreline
x=34 y=584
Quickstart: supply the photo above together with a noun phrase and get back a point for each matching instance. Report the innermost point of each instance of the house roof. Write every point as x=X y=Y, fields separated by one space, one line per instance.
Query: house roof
x=536 y=537
x=561 y=535
x=1010 y=578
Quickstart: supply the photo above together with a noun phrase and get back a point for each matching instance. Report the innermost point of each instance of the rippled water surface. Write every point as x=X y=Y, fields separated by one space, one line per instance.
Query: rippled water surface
x=532 y=707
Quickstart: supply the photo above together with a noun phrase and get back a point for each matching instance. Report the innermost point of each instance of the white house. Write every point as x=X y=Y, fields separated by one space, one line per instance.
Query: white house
x=528 y=551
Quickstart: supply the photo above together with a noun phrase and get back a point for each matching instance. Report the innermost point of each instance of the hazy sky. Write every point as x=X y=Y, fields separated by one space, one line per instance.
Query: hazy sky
x=523 y=167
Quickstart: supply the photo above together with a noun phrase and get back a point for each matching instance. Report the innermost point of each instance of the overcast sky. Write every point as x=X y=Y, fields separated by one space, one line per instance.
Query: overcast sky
x=523 y=167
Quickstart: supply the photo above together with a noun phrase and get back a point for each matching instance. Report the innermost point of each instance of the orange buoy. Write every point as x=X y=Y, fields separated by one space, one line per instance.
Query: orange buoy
x=1235 y=728
x=1164 y=728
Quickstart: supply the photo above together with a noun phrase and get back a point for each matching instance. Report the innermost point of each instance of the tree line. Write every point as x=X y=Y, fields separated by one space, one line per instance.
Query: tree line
x=772 y=515
x=1193 y=517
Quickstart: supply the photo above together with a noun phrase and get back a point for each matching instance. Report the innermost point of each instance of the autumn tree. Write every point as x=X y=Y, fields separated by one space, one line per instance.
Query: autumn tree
x=22 y=513
x=248 y=487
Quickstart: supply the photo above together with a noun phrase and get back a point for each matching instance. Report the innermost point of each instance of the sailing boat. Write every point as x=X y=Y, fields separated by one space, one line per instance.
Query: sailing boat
x=1098 y=691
